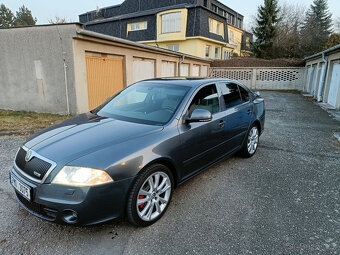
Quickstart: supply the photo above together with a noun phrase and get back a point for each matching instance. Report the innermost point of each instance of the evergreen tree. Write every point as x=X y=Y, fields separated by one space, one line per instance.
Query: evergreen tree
x=332 y=41
x=266 y=28
x=24 y=17
x=317 y=27
x=6 y=17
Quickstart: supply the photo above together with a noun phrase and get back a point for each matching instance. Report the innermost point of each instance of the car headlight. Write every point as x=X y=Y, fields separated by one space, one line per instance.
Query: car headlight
x=81 y=176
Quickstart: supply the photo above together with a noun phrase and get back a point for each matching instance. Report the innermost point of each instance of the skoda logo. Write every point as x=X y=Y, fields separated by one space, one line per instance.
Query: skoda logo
x=28 y=156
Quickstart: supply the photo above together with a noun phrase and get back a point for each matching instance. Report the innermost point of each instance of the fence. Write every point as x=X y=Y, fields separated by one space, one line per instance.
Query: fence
x=263 y=78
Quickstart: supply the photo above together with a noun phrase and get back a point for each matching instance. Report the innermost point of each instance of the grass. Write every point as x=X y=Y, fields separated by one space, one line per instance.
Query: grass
x=20 y=120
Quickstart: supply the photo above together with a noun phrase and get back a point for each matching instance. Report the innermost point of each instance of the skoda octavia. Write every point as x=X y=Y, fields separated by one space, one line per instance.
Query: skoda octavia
x=125 y=157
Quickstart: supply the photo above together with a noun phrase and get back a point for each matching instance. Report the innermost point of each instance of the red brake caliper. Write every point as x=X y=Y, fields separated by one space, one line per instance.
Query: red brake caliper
x=141 y=206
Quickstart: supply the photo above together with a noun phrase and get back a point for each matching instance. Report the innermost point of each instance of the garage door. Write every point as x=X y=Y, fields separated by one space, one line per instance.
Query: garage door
x=168 y=69
x=312 y=87
x=184 y=70
x=204 y=71
x=105 y=77
x=335 y=84
x=143 y=69
x=195 y=70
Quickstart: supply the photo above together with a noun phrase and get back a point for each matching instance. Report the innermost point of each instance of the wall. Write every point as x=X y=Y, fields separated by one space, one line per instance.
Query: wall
x=32 y=76
x=263 y=78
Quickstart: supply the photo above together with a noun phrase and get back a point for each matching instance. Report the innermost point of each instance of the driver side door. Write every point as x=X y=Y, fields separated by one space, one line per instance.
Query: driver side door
x=200 y=140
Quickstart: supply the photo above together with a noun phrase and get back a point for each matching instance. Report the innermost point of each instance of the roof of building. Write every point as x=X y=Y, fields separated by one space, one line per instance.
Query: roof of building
x=337 y=47
x=136 y=44
x=141 y=13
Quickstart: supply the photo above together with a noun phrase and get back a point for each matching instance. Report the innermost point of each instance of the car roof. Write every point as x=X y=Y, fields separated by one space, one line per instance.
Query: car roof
x=186 y=81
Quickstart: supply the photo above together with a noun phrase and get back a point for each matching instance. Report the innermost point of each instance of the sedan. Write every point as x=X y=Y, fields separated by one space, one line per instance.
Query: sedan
x=126 y=157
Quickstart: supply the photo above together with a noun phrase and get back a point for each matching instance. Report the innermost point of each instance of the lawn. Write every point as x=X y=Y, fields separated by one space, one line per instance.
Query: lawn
x=19 y=120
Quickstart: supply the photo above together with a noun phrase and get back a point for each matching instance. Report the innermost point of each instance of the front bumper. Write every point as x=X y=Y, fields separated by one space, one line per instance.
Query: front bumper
x=92 y=205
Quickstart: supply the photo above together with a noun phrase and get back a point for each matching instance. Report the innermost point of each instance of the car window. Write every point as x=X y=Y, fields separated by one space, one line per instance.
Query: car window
x=144 y=102
x=244 y=94
x=231 y=95
x=207 y=99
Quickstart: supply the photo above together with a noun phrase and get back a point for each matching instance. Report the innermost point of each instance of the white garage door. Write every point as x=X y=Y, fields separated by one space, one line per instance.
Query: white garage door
x=143 y=69
x=168 y=69
x=195 y=70
x=335 y=84
x=184 y=70
x=204 y=71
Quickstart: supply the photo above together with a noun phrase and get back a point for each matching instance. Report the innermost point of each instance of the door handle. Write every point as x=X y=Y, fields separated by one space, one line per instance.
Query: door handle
x=221 y=124
x=249 y=111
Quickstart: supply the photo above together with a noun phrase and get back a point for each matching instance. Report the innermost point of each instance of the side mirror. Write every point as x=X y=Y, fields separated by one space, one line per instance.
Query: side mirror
x=199 y=115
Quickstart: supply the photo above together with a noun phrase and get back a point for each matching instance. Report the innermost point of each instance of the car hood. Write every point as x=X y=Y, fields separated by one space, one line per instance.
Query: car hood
x=84 y=134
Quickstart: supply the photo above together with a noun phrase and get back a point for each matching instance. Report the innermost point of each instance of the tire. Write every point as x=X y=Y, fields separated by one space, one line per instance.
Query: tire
x=152 y=202
x=251 y=142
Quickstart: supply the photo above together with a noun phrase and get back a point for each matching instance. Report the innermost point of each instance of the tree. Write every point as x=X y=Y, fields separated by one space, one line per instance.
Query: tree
x=57 y=20
x=316 y=28
x=287 y=40
x=24 y=17
x=266 y=28
x=337 y=25
x=6 y=17
x=332 y=41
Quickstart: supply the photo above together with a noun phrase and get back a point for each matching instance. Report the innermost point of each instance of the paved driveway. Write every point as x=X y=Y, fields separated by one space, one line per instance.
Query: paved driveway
x=284 y=200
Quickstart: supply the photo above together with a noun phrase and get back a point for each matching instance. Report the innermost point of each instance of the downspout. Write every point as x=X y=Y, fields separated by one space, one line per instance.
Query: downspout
x=179 y=65
x=323 y=78
x=66 y=87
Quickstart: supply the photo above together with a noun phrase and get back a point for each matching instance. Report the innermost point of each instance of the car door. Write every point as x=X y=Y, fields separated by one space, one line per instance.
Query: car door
x=237 y=109
x=200 y=141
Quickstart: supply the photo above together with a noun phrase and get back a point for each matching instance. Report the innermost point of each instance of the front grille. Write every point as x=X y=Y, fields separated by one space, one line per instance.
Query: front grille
x=36 y=167
x=37 y=209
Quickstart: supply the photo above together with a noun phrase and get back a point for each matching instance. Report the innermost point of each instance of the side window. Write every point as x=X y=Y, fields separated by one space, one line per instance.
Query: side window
x=244 y=94
x=207 y=99
x=231 y=95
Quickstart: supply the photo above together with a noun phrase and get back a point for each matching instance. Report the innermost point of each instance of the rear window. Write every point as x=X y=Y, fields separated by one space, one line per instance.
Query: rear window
x=231 y=95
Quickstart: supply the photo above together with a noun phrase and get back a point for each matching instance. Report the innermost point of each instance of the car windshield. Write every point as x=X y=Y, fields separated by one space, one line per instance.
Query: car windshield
x=145 y=102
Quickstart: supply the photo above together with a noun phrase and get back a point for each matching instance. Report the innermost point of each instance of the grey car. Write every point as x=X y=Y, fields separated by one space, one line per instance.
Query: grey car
x=126 y=157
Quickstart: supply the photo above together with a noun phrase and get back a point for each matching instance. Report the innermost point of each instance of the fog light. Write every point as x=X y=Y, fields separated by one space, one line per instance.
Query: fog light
x=70 y=216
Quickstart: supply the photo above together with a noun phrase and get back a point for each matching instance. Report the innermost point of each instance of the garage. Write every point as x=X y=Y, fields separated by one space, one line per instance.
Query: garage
x=184 y=70
x=143 y=69
x=168 y=69
x=105 y=77
x=195 y=70
x=334 y=85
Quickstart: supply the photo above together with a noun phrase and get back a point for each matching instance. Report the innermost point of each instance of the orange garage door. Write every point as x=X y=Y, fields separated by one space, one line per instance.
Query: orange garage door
x=104 y=79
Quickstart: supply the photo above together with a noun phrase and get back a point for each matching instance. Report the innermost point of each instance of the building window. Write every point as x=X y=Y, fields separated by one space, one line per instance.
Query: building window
x=231 y=19
x=218 y=28
x=248 y=42
x=173 y=47
x=207 y=51
x=227 y=54
x=217 y=52
x=205 y=3
x=171 y=22
x=231 y=36
x=240 y=23
x=138 y=26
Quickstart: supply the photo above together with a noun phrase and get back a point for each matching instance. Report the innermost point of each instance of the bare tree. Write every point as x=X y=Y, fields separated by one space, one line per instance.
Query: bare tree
x=287 y=40
x=57 y=20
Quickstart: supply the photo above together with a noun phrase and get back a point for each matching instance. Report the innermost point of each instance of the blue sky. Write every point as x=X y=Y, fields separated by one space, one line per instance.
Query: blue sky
x=44 y=10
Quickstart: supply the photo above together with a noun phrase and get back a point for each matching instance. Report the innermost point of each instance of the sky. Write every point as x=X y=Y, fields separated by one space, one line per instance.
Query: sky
x=70 y=9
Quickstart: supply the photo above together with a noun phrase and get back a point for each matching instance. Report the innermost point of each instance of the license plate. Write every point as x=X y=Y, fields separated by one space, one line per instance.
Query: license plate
x=21 y=188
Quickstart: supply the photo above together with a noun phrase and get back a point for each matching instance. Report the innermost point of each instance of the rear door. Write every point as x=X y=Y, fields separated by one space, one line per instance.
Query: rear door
x=237 y=108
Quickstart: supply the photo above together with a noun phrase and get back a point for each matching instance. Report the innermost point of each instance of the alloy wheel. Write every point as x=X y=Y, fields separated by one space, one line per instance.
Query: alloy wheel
x=253 y=140
x=153 y=196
